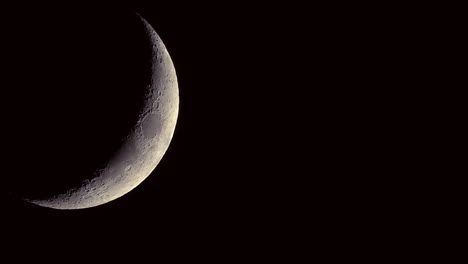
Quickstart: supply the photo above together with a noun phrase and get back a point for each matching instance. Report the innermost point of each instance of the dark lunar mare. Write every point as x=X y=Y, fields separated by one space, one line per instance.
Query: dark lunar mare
x=72 y=88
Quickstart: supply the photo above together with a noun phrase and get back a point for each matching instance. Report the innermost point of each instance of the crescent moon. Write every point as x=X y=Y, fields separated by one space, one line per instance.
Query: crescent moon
x=144 y=146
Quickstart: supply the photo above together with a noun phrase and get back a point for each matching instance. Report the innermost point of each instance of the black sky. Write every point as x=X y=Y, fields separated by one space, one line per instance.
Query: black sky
x=278 y=114
x=211 y=188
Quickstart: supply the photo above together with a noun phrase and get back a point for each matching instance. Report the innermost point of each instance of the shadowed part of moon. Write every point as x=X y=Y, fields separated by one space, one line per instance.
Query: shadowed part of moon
x=109 y=126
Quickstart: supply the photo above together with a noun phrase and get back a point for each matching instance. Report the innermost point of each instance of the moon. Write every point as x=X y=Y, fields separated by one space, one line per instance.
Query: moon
x=142 y=146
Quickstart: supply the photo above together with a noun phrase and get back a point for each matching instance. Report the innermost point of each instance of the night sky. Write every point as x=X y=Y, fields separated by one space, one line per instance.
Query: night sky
x=212 y=187
x=292 y=137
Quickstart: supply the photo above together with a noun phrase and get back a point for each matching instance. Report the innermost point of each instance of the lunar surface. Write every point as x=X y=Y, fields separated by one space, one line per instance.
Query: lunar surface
x=148 y=114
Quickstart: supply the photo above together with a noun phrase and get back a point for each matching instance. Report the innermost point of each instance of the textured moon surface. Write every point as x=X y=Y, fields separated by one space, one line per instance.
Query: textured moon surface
x=143 y=147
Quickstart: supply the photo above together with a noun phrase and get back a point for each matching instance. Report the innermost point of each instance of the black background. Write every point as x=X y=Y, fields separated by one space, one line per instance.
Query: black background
x=288 y=138
x=216 y=190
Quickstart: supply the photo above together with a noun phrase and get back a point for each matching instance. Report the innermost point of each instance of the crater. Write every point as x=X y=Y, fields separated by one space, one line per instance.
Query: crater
x=151 y=126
